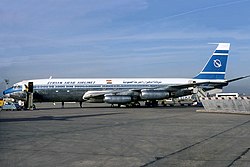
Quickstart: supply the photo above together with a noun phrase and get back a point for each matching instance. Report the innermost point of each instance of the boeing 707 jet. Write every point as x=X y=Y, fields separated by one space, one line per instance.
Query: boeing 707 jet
x=128 y=91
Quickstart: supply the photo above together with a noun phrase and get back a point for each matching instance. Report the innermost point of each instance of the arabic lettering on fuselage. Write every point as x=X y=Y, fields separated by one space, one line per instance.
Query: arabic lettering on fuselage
x=142 y=82
x=70 y=82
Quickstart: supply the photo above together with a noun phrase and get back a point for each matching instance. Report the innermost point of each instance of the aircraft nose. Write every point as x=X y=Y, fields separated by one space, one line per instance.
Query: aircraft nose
x=6 y=95
x=4 y=92
x=7 y=91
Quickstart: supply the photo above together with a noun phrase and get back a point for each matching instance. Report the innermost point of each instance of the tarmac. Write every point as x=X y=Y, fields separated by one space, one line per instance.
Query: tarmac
x=97 y=135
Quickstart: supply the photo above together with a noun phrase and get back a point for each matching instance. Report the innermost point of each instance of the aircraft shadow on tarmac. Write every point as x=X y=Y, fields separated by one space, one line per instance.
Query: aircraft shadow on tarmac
x=53 y=118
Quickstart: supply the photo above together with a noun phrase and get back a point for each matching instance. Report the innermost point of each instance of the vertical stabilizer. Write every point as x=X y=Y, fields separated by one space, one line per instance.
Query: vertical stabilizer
x=215 y=68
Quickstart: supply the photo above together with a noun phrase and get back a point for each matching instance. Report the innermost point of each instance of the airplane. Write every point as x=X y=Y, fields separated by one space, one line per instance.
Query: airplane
x=127 y=91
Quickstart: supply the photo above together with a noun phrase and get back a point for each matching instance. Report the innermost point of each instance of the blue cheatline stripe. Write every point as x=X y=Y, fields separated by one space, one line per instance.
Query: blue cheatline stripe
x=210 y=76
x=11 y=90
x=221 y=51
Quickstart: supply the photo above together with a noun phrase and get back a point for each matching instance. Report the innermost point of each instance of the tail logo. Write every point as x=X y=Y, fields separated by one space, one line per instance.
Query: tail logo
x=217 y=63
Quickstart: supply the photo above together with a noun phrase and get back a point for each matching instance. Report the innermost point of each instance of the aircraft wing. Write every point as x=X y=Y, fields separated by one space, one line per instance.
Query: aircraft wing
x=173 y=88
x=95 y=94
x=208 y=85
x=101 y=94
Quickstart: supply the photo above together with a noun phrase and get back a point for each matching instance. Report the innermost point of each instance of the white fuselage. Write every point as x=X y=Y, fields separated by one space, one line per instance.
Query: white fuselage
x=67 y=89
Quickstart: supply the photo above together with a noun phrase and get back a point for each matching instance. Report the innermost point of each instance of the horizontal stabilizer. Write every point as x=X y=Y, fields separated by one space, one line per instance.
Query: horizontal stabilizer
x=236 y=79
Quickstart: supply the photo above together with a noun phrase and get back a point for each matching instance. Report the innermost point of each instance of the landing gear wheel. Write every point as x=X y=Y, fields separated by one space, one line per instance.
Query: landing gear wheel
x=153 y=103
x=147 y=104
x=137 y=104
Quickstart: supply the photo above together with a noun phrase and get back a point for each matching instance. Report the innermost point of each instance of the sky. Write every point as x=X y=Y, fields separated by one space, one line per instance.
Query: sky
x=121 y=38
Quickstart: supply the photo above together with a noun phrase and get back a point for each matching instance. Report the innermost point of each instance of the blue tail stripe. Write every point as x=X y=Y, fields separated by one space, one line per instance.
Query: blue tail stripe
x=210 y=76
x=221 y=51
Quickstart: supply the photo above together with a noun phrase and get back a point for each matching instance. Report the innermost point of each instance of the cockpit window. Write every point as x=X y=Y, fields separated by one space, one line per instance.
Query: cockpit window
x=17 y=86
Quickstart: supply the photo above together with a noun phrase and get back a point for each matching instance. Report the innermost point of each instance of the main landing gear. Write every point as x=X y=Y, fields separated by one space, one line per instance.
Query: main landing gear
x=134 y=104
x=80 y=103
x=152 y=103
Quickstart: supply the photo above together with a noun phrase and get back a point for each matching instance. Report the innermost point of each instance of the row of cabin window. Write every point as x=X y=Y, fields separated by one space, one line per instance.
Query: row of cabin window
x=86 y=86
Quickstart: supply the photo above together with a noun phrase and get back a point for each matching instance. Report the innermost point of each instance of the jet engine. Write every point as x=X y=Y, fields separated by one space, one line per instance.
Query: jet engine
x=180 y=93
x=147 y=94
x=117 y=99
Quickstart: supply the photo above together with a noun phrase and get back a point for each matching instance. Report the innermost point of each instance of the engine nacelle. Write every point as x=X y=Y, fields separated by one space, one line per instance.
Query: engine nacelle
x=117 y=99
x=180 y=93
x=94 y=100
x=154 y=94
x=94 y=94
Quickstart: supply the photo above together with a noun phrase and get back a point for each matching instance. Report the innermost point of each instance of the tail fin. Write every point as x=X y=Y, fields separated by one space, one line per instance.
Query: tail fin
x=216 y=65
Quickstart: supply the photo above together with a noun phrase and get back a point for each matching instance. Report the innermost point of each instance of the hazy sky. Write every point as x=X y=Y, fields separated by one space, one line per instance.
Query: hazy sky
x=121 y=38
